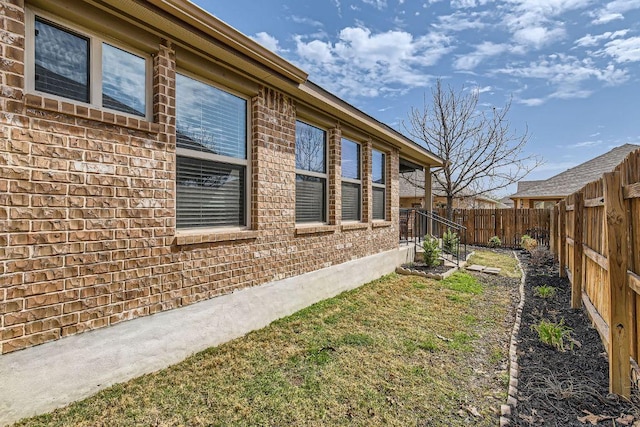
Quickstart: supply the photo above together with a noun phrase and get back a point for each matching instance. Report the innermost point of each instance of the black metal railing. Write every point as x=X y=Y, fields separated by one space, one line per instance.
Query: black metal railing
x=415 y=224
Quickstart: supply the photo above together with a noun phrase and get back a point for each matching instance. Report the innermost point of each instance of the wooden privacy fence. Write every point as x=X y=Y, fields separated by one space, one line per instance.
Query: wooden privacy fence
x=596 y=239
x=508 y=224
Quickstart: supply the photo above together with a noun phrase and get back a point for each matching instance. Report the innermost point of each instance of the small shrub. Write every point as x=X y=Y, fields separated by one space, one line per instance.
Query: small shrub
x=539 y=255
x=544 y=291
x=528 y=243
x=495 y=242
x=554 y=334
x=450 y=242
x=431 y=251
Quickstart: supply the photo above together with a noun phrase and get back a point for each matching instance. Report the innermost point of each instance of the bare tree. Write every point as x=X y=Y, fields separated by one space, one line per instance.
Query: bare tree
x=309 y=150
x=481 y=151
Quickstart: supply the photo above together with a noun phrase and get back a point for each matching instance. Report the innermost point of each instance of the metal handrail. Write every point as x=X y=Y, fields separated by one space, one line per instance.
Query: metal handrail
x=421 y=227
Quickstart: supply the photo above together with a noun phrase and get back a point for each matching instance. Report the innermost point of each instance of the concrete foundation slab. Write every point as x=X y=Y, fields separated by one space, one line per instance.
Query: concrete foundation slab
x=42 y=378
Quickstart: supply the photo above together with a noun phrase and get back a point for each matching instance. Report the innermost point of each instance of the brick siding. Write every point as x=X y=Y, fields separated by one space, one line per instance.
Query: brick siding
x=87 y=208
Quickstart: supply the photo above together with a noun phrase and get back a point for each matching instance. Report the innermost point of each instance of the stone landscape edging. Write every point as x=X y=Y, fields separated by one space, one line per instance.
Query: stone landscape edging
x=437 y=276
x=514 y=370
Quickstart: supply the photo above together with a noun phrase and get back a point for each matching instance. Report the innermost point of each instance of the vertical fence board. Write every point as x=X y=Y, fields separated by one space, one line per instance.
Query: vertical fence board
x=576 y=285
x=619 y=366
x=563 y=237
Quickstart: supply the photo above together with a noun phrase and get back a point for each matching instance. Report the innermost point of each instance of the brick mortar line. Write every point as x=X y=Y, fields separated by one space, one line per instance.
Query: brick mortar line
x=514 y=370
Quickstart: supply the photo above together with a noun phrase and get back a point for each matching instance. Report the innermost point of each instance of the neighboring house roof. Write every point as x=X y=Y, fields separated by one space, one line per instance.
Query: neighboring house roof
x=412 y=185
x=525 y=185
x=407 y=188
x=507 y=201
x=572 y=180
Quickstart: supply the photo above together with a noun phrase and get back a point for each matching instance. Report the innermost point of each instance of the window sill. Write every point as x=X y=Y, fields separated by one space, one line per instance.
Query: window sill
x=301 y=230
x=379 y=223
x=195 y=237
x=354 y=226
x=72 y=109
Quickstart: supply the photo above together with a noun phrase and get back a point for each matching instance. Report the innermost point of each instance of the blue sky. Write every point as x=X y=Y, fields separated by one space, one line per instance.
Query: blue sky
x=571 y=67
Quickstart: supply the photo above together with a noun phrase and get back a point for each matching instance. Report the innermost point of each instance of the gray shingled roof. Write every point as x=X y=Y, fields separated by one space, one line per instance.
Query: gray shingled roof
x=408 y=189
x=572 y=180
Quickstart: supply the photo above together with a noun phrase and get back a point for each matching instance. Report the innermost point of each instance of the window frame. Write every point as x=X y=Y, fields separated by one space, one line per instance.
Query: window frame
x=313 y=174
x=351 y=180
x=378 y=185
x=95 y=55
x=218 y=158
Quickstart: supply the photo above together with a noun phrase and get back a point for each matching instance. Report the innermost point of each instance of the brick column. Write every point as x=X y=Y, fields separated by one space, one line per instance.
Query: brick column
x=334 y=172
x=164 y=113
x=273 y=162
x=367 y=199
x=393 y=176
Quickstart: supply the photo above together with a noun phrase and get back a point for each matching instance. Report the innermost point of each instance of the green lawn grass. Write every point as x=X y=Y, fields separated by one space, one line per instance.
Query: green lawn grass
x=399 y=351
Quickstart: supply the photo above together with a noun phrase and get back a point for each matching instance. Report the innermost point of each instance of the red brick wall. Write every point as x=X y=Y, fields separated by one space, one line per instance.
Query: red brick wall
x=87 y=209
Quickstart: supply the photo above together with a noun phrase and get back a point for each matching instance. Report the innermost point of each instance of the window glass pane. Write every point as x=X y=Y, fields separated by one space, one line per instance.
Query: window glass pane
x=310 y=148
x=350 y=159
x=209 y=193
x=210 y=120
x=377 y=167
x=378 y=203
x=62 y=62
x=123 y=81
x=310 y=199
x=350 y=201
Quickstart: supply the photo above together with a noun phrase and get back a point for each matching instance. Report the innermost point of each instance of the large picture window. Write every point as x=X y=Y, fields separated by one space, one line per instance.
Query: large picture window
x=351 y=181
x=81 y=67
x=311 y=173
x=378 y=183
x=211 y=130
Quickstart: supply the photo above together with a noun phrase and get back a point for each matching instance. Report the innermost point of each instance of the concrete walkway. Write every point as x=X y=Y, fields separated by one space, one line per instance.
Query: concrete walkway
x=51 y=375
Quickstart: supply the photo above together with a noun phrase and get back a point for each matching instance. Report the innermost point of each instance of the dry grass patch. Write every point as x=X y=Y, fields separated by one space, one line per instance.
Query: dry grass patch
x=398 y=351
x=504 y=260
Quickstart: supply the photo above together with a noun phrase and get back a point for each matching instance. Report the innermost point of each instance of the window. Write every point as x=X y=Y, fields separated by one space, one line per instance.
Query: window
x=378 y=184
x=64 y=62
x=311 y=174
x=211 y=130
x=351 y=181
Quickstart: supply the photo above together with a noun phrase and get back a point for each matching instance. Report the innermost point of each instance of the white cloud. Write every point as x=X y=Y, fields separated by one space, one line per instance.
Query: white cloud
x=362 y=63
x=590 y=40
x=306 y=21
x=538 y=36
x=537 y=23
x=614 y=10
x=378 y=4
x=460 y=21
x=482 y=51
x=624 y=50
x=267 y=41
x=531 y=102
x=565 y=75
x=605 y=18
x=584 y=144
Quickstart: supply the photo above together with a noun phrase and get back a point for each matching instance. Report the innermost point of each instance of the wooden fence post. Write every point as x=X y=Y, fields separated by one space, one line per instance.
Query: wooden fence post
x=576 y=274
x=562 y=232
x=619 y=331
x=553 y=230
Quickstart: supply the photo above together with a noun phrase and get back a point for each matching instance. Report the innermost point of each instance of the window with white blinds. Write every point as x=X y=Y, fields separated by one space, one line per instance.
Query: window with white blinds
x=351 y=181
x=211 y=130
x=311 y=173
x=378 y=183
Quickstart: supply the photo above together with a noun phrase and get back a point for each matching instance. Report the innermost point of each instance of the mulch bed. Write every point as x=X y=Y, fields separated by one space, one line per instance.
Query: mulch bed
x=420 y=266
x=562 y=388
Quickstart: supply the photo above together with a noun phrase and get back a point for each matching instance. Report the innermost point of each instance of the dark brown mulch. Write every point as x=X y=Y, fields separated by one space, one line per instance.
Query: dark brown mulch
x=557 y=388
x=420 y=266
